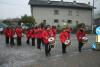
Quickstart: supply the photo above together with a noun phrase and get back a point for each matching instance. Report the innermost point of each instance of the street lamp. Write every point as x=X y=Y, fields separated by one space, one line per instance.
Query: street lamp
x=92 y=16
x=93 y=13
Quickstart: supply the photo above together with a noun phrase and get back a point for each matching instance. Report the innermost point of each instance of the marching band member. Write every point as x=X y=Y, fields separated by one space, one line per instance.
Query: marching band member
x=28 y=36
x=80 y=34
x=45 y=37
x=54 y=31
x=33 y=35
x=19 y=35
x=64 y=36
x=43 y=30
x=69 y=29
x=6 y=33
x=11 y=35
x=39 y=36
x=52 y=36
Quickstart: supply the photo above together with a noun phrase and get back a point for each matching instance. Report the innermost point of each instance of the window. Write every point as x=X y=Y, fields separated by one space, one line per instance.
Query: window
x=56 y=12
x=70 y=13
x=56 y=21
x=69 y=21
x=77 y=13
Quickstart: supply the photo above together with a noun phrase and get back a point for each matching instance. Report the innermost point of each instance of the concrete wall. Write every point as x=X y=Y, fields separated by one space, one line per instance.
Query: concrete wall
x=45 y=13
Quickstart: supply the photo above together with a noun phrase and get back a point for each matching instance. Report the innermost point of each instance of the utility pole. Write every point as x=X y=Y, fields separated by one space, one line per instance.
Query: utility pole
x=92 y=16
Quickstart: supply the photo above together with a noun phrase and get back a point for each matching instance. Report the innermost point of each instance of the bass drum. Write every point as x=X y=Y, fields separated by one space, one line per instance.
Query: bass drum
x=52 y=45
x=51 y=41
x=84 y=39
x=67 y=43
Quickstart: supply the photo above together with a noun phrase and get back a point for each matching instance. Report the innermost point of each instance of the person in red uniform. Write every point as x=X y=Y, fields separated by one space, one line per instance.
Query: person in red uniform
x=80 y=34
x=69 y=29
x=42 y=30
x=39 y=37
x=19 y=35
x=68 y=32
x=11 y=35
x=54 y=31
x=6 y=33
x=33 y=35
x=63 y=37
x=45 y=36
x=28 y=36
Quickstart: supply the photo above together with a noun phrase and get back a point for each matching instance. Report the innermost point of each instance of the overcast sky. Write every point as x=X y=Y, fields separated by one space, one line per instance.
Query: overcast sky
x=17 y=8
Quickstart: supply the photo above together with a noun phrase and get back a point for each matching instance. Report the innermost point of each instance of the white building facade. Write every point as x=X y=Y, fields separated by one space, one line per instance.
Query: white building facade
x=59 y=12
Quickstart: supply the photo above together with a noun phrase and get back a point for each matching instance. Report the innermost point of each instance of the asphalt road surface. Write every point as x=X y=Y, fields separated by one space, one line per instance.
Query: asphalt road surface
x=29 y=56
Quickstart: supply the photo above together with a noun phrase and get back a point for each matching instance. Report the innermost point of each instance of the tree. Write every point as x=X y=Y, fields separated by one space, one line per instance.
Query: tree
x=28 y=20
x=7 y=22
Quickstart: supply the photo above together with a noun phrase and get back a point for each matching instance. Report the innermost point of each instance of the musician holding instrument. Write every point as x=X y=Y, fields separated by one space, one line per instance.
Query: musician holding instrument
x=28 y=35
x=52 y=36
x=65 y=39
x=80 y=34
x=45 y=37
x=39 y=37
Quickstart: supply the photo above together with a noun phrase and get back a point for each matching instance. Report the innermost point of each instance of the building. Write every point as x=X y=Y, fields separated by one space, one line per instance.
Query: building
x=97 y=22
x=60 y=12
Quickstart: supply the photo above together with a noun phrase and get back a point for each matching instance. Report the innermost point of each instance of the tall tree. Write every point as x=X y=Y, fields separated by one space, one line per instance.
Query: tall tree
x=28 y=20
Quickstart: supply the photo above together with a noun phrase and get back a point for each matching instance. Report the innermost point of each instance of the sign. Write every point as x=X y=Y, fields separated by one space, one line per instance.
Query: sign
x=98 y=30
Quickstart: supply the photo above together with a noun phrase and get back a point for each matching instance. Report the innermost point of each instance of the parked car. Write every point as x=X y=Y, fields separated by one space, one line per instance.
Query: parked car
x=2 y=26
x=1 y=29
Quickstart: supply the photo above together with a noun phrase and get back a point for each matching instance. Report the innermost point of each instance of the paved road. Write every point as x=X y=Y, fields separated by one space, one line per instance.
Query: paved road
x=28 y=56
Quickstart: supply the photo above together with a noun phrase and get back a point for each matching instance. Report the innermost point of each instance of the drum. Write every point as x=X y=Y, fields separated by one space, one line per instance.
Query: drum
x=67 y=42
x=52 y=45
x=84 y=39
x=51 y=41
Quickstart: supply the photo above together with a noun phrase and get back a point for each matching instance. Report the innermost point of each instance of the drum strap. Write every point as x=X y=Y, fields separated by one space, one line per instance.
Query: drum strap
x=66 y=37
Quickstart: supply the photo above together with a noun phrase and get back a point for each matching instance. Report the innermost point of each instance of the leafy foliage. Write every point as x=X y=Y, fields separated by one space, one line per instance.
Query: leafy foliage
x=7 y=22
x=28 y=20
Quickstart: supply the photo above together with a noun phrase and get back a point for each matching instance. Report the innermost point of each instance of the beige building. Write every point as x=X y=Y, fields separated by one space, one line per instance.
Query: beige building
x=60 y=12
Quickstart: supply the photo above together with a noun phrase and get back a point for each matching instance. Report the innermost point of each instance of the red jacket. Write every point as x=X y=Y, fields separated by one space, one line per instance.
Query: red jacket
x=28 y=33
x=45 y=36
x=11 y=32
x=69 y=29
x=79 y=35
x=54 y=32
x=51 y=33
x=19 y=32
x=64 y=36
x=33 y=35
x=6 y=32
x=39 y=33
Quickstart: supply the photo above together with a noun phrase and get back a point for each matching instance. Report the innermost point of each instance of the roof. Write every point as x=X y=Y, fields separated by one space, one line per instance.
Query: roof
x=41 y=3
